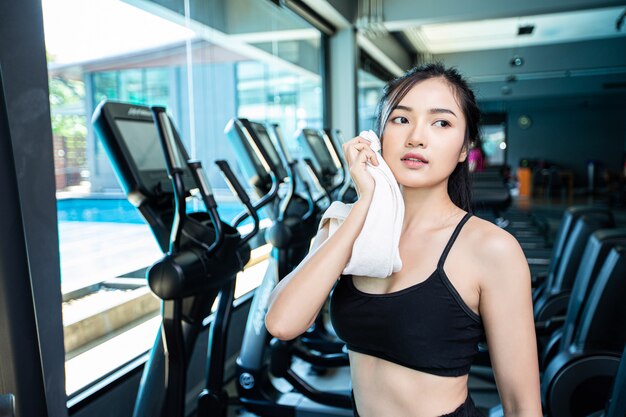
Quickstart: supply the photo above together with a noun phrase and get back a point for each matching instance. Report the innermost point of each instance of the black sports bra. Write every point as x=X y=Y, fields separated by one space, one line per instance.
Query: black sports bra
x=427 y=326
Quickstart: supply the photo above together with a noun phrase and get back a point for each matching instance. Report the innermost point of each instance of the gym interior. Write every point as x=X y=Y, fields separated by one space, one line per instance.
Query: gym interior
x=166 y=162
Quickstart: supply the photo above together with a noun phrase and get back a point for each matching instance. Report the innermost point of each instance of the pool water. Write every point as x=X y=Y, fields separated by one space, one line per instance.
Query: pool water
x=121 y=211
x=97 y=210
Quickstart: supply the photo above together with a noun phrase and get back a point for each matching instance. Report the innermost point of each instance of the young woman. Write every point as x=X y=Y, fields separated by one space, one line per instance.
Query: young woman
x=412 y=336
x=476 y=156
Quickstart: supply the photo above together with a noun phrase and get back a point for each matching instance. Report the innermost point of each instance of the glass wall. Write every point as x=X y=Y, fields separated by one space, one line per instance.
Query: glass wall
x=206 y=62
x=293 y=100
x=370 y=90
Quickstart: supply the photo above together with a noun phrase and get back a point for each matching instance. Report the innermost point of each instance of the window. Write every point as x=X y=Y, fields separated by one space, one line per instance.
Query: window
x=370 y=90
x=494 y=143
x=371 y=78
x=493 y=134
x=224 y=59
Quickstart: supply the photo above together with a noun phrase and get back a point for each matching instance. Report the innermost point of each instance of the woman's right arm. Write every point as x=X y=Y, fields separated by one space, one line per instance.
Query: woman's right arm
x=298 y=298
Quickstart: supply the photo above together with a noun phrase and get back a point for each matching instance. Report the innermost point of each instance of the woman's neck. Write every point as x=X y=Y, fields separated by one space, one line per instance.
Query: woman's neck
x=427 y=208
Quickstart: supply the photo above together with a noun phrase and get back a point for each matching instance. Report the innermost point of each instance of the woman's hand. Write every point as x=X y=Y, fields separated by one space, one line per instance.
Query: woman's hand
x=357 y=153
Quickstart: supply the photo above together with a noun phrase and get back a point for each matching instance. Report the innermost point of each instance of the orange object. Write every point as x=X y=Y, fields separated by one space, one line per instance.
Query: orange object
x=524 y=176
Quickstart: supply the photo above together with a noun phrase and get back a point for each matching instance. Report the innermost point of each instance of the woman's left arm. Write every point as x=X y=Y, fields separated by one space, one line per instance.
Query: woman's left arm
x=507 y=313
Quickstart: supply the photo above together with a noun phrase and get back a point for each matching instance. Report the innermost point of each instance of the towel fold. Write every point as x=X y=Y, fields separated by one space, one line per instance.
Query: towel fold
x=376 y=250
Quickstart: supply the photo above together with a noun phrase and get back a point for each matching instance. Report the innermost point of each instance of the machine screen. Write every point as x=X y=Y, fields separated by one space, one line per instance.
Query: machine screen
x=321 y=153
x=267 y=143
x=142 y=140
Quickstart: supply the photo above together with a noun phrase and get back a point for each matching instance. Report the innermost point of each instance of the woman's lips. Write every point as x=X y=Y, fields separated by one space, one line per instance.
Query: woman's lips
x=414 y=160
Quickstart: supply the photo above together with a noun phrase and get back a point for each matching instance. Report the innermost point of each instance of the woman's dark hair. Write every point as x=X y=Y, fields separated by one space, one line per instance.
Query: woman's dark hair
x=458 y=183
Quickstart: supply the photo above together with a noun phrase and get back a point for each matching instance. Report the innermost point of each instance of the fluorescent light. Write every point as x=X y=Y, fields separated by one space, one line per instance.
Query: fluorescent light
x=504 y=33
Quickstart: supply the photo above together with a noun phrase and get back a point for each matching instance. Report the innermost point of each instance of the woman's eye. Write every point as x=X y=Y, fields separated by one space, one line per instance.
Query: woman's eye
x=442 y=123
x=400 y=119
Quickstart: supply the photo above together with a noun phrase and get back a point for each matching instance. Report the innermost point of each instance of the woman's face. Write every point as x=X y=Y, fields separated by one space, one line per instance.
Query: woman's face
x=423 y=137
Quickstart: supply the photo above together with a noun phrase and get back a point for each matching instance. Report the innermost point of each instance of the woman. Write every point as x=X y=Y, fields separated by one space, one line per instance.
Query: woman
x=412 y=336
x=476 y=156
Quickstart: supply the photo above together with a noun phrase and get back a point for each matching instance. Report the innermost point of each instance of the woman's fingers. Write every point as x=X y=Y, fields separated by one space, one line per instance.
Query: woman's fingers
x=367 y=155
x=361 y=153
x=357 y=152
x=354 y=141
x=359 y=149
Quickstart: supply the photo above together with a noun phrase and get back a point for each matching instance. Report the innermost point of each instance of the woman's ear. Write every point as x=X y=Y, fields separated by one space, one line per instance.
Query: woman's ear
x=463 y=154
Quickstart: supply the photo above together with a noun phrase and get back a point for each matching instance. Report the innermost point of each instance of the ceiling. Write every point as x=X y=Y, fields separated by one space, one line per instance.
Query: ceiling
x=511 y=50
x=512 y=32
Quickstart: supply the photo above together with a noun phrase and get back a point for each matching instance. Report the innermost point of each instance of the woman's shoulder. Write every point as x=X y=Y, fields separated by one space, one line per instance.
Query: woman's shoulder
x=498 y=256
x=490 y=244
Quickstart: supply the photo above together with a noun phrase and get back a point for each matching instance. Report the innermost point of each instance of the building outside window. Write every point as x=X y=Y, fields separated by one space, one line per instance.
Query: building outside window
x=370 y=88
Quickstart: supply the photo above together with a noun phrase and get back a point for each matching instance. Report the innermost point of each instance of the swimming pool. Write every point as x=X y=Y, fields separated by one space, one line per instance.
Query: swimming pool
x=117 y=210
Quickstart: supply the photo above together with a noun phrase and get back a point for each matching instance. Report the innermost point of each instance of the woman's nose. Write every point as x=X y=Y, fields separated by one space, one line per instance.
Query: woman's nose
x=416 y=138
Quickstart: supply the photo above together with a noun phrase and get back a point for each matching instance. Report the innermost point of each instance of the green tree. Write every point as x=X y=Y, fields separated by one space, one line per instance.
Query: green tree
x=69 y=124
x=67 y=99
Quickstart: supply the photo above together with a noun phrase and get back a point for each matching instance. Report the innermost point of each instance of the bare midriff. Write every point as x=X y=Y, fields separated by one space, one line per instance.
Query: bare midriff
x=383 y=388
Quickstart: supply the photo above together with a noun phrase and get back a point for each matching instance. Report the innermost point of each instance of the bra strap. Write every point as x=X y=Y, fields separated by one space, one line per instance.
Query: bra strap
x=456 y=232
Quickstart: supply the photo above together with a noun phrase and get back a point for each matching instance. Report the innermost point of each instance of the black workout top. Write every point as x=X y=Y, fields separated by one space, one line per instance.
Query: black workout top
x=426 y=327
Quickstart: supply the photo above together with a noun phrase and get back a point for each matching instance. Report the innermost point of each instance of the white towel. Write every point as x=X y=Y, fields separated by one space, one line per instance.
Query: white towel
x=376 y=250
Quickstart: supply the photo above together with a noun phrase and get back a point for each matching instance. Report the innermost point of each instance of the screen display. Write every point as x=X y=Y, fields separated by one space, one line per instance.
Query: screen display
x=321 y=153
x=268 y=145
x=142 y=140
x=246 y=156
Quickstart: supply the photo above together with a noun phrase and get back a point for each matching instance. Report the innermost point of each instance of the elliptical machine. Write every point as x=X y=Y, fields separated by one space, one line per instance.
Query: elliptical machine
x=202 y=254
x=321 y=147
x=295 y=222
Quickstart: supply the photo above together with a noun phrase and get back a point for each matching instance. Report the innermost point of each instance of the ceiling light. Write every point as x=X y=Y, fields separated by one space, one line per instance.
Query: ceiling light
x=620 y=21
x=525 y=30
